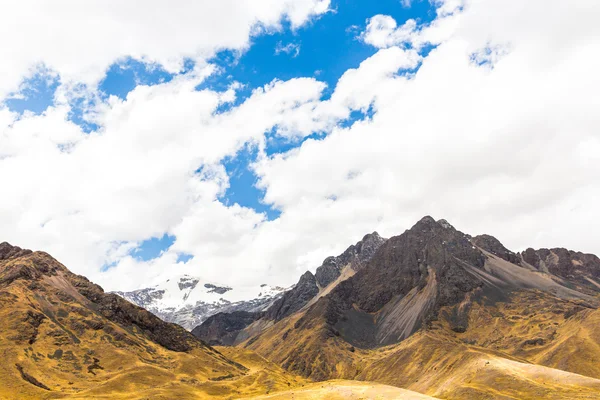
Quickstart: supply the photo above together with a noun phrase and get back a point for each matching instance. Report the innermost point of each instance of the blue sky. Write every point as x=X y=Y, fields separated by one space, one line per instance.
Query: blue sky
x=324 y=49
x=167 y=118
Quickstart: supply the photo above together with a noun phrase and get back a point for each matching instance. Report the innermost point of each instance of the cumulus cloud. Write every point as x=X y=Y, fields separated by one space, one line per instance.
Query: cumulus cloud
x=493 y=150
x=510 y=149
x=79 y=40
x=154 y=167
x=383 y=31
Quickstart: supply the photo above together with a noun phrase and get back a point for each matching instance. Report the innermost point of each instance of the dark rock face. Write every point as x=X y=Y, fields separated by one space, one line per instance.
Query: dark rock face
x=19 y=265
x=7 y=251
x=429 y=253
x=28 y=378
x=356 y=256
x=222 y=329
x=567 y=264
x=294 y=299
x=493 y=245
x=187 y=283
x=216 y=289
x=401 y=264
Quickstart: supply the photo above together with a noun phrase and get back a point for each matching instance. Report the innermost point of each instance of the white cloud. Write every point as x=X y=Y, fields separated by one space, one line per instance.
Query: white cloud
x=383 y=31
x=79 y=40
x=292 y=49
x=89 y=198
x=510 y=150
x=493 y=150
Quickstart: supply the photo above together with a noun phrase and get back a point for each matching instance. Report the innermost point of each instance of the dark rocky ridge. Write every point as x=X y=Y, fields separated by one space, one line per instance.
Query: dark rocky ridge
x=8 y=251
x=429 y=252
x=356 y=256
x=293 y=300
x=228 y=325
x=493 y=245
x=217 y=289
x=577 y=267
x=431 y=267
x=222 y=328
x=563 y=262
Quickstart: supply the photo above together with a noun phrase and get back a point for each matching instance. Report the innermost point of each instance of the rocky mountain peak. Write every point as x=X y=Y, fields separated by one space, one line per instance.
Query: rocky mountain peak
x=295 y=299
x=17 y=263
x=568 y=264
x=8 y=251
x=493 y=245
x=356 y=256
x=427 y=222
x=445 y=224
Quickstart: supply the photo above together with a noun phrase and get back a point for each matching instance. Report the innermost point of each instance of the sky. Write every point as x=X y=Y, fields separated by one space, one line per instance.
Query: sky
x=243 y=141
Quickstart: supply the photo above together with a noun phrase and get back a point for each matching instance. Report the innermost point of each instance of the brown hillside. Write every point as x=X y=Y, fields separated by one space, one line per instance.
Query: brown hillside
x=62 y=337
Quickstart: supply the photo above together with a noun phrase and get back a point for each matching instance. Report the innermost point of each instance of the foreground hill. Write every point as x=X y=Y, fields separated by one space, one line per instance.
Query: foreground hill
x=62 y=337
x=443 y=313
x=345 y=390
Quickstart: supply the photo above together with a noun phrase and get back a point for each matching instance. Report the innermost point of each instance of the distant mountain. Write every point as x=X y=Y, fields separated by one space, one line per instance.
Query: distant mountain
x=434 y=305
x=188 y=301
x=225 y=328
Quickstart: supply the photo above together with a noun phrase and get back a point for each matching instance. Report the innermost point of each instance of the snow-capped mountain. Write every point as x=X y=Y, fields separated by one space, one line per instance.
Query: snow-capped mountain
x=188 y=300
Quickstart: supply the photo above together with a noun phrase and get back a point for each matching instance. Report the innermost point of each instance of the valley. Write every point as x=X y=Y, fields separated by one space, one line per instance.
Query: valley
x=431 y=313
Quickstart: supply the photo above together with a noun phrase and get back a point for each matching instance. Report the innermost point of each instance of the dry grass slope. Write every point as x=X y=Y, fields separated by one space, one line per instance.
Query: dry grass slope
x=345 y=390
x=533 y=346
x=57 y=343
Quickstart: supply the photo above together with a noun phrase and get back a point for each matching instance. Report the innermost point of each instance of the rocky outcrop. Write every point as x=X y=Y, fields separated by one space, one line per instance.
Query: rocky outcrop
x=580 y=268
x=216 y=289
x=295 y=299
x=355 y=256
x=425 y=266
x=8 y=251
x=493 y=245
x=222 y=329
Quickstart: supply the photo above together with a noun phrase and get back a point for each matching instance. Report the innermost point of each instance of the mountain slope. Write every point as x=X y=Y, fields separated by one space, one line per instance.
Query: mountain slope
x=436 y=297
x=227 y=329
x=62 y=336
x=345 y=390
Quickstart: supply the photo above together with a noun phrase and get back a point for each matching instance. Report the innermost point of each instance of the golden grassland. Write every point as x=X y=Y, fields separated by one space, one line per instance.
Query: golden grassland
x=531 y=347
x=345 y=390
x=57 y=344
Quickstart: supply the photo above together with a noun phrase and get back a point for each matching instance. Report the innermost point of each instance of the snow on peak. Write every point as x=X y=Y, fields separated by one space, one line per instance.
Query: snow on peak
x=188 y=300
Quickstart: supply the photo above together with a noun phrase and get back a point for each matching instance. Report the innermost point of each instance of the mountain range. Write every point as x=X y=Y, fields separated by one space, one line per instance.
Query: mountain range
x=188 y=300
x=430 y=313
x=439 y=312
